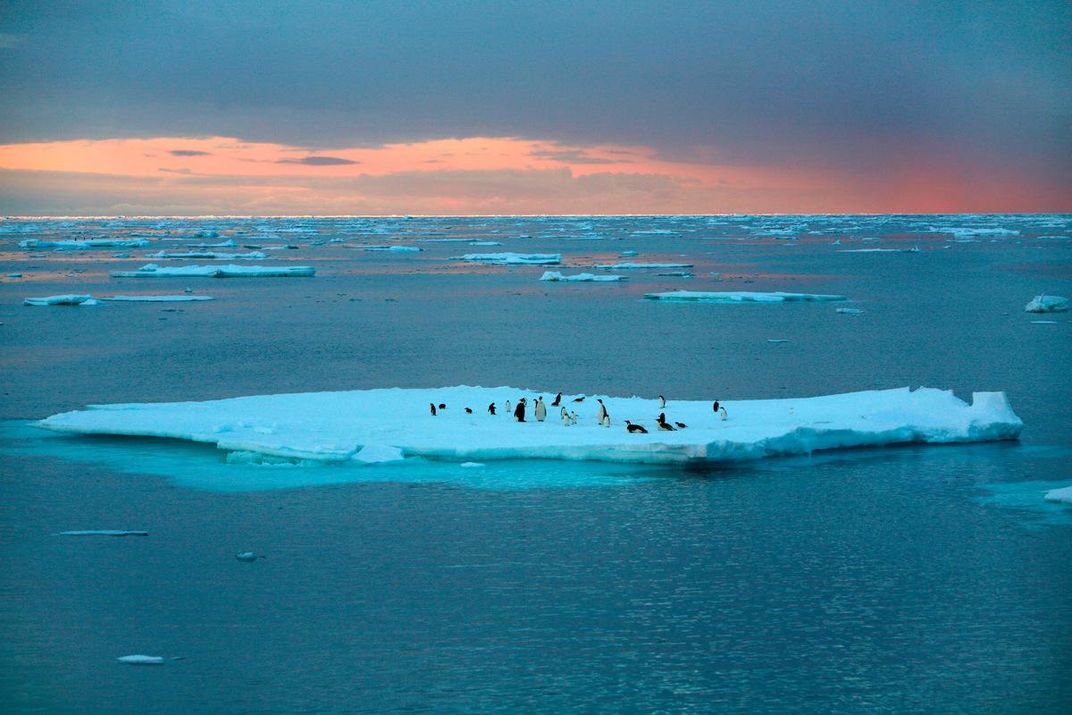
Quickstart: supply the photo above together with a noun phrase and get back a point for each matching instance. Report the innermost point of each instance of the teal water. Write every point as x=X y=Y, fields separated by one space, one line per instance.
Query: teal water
x=913 y=579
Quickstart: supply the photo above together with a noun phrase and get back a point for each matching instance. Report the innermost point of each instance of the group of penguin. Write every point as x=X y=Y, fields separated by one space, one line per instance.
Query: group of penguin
x=570 y=418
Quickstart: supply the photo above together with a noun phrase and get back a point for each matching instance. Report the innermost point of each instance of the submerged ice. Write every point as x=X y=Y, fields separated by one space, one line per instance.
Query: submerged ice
x=385 y=425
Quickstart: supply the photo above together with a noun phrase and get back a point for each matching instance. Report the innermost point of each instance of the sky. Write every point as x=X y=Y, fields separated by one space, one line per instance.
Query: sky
x=187 y=107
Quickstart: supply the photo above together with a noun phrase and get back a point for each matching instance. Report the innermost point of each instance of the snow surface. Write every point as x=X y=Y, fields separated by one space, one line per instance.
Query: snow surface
x=387 y=424
x=228 y=271
x=695 y=296
x=61 y=300
x=1047 y=304
x=514 y=259
x=158 y=298
x=579 y=277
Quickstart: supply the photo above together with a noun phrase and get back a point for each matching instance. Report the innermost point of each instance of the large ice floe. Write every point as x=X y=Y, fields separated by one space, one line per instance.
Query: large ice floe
x=1047 y=304
x=554 y=276
x=61 y=300
x=228 y=271
x=695 y=296
x=83 y=244
x=639 y=266
x=209 y=255
x=513 y=259
x=386 y=425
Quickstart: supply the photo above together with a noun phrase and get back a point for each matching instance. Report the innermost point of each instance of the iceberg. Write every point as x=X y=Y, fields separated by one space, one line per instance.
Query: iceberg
x=1047 y=304
x=1063 y=495
x=157 y=298
x=695 y=296
x=228 y=271
x=579 y=277
x=384 y=425
x=514 y=259
x=61 y=300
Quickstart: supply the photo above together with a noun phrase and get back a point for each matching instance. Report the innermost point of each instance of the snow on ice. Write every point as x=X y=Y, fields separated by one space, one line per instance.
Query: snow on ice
x=228 y=271
x=1047 y=304
x=695 y=296
x=579 y=277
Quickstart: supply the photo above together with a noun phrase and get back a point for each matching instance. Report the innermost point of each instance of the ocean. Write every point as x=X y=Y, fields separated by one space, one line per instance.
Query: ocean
x=897 y=579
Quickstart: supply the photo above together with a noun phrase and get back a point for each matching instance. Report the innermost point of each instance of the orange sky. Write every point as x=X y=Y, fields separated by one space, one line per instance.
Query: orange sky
x=472 y=175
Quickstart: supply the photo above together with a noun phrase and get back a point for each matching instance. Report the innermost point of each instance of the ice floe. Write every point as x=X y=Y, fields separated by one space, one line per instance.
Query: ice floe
x=696 y=296
x=157 y=298
x=1047 y=304
x=579 y=277
x=1063 y=495
x=62 y=300
x=639 y=266
x=210 y=255
x=141 y=659
x=103 y=532
x=850 y=311
x=83 y=244
x=513 y=259
x=394 y=423
x=228 y=271
x=394 y=249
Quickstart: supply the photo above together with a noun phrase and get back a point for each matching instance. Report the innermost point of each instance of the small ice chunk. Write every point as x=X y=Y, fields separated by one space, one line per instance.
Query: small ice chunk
x=579 y=277
x=1063 y=495
x=61 y=300
x=637 y=266
x=850 y=311
x=1047 y=304
x=378 y=453
x=14 y=275
x=141 y=659
x=157 y=298
x=246 y=556
x=513 y=259
x=472 y=465
x=103 y=532
x=1044 y=322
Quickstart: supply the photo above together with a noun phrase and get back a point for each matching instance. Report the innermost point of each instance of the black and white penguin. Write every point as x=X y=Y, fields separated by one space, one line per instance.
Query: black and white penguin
x=635 y=429
x=722 y=413
x=519 y=411
x=663 y=424
x=442 y=405
x=508 y=410
x=662 y=402
x=681 y=425
x=601 y=415
x=714 y=407
x=431 y=406
x=468 y=410
x=564 y=415
x=540 y=410
x=558 y=400
x=491 y=408
x=579 y=399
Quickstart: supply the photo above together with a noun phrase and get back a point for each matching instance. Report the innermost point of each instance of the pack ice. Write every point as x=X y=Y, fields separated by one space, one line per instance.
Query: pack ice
x=394 y=423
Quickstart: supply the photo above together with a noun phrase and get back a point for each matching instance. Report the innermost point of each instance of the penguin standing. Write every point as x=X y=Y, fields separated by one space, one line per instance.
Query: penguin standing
x=662 y=402
x=714 y=407
x=722 y=413
x=431 y=406
x=558 y=400
x=541 y=409
x=564 y=415
x=601 y=415
x=519 y=411
x=491 y=408
x=508 y=410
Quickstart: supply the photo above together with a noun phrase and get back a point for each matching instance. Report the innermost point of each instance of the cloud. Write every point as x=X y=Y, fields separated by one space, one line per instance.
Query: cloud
x=189 y=152
x=318 y=161
x=573 y=156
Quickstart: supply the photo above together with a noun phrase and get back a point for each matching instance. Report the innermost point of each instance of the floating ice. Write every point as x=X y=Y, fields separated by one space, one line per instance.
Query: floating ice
x=637 y=266
x=579 y=277
x=61 y=300
x=83 y=244
x=850 y=311
x=695 y=296
x=394 y=249
x=157 y=298
x=1063 y=495
x=1047 y=304
x=879 y=250
x=229 y=271
x=1044 y=322
x=221 y=244
x=141 y=659
x=103 y=532
x=514 y=259
x=339 y=426
x=212 y=255
x=246 y=556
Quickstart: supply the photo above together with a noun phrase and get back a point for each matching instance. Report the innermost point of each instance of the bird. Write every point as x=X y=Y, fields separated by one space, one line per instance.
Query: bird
x=635 y=429
x=663 y=424
x=431 y=406
x=662 y=402
x=681 y=425
x=491 y=408
x=468 y=410
x=558 y=400
x=579 y=399
x=442 y=406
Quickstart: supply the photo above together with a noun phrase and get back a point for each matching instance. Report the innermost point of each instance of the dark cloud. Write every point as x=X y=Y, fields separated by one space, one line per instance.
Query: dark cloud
x=189 y=152
x=846 y=83
x=318 y=161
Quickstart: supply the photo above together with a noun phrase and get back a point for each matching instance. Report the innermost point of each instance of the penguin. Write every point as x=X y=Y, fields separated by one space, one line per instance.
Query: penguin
x=573 y=418
x=442 y=406
x=508 y=410
x=714 y=407
x=681 y=425
x=431 y=406
x=491 y=408
x=579 y=399
x=565 y=416
x=722 y=413
x=635 y=429
x=558 y=400
x=541 y=409
x=468 y=410
x=663 y=424
x=601 y=415
x=662 y=402
x=519 y=411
